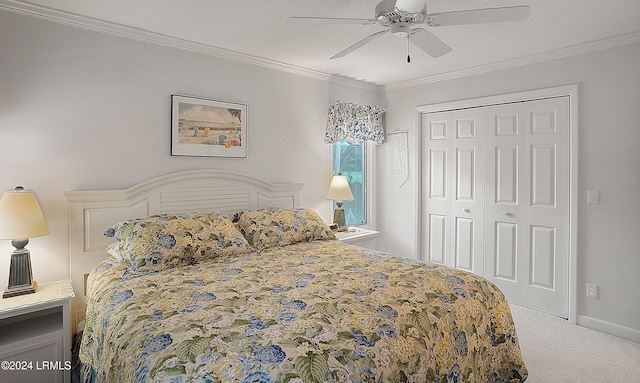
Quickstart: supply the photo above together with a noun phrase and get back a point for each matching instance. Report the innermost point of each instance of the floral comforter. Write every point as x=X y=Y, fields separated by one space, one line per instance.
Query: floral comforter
x=318 y=311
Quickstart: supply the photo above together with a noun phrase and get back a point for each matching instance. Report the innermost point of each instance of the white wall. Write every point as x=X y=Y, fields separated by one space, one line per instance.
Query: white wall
x=609 y=159
x=83 y=110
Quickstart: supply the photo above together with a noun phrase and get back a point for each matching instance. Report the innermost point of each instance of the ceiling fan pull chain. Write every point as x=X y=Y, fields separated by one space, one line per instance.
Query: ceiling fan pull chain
x=408 y=56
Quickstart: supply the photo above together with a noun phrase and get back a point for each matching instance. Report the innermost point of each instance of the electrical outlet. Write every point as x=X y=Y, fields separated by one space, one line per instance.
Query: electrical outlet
x=592 y=291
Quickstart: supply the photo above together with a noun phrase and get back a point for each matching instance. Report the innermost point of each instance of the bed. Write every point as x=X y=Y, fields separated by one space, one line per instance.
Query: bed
x=267 y=294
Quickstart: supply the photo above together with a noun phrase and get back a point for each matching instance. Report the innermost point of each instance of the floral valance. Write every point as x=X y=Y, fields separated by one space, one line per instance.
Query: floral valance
x=356 y=123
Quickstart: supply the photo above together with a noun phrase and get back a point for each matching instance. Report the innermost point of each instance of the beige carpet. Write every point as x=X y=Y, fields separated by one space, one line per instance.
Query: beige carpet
x=556 y=351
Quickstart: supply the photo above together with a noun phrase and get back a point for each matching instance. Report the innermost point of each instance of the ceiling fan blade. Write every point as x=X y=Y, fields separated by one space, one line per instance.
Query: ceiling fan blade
x=410 y=6
x=429 y=43
x=478 y=16
x=359 y=44
x=331 y=20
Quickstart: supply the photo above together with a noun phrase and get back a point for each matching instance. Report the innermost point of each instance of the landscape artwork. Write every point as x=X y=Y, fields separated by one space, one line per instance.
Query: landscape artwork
x=208 y=128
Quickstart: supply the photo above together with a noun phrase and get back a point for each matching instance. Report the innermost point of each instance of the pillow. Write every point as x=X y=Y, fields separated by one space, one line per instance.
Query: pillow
x=165 y=241
x=113 y=251
x=264 y=228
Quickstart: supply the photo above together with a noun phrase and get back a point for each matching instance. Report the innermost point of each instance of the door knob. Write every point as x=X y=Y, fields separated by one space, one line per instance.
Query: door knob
x=466 y=210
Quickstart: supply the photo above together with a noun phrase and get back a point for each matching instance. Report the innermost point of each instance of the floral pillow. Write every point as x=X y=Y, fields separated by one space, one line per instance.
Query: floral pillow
x=272 y=227
x=165 y=241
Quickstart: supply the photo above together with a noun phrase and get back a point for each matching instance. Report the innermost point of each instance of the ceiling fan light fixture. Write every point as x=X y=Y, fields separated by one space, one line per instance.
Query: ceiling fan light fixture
x=415 y=17
x=384 y=7
x=401 y=29
x=387 y=13
x=410 y=7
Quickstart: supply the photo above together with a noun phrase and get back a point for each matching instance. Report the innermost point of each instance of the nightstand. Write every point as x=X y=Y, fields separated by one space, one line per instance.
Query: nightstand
x=360 y=237
x=35 y=335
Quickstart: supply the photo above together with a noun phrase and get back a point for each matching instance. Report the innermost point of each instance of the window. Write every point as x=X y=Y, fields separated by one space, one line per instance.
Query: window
x=350 y=160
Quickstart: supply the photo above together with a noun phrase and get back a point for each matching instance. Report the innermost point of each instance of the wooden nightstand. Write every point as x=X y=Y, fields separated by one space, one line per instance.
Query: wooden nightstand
x=360 y=237
x=35 y=335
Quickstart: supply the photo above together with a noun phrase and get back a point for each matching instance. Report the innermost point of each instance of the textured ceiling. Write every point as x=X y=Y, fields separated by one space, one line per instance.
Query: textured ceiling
x=259 y=29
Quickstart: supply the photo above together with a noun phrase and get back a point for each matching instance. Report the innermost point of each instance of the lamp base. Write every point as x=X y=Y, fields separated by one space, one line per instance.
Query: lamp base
x=339 y=218
x=20 y=276
x=19 y=290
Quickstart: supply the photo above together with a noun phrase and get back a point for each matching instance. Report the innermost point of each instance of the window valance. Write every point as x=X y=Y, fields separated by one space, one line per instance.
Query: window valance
x=356 y=123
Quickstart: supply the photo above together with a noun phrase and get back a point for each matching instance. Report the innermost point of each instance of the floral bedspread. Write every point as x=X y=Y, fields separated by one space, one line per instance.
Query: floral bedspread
x=318 y=311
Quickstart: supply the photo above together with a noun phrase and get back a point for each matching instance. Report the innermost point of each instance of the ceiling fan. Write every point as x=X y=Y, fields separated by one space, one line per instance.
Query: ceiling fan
x=402 y=17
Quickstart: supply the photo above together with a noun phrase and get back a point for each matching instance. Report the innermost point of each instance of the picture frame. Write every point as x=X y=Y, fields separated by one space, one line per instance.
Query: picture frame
x=208 y=128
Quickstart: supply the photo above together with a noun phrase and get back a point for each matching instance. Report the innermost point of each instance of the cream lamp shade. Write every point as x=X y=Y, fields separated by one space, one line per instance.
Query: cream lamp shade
x=20 y=219
x=21 y=216
x=339 y=191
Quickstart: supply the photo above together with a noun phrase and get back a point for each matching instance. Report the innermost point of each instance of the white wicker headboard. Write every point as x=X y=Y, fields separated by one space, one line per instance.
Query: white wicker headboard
x=93 y=211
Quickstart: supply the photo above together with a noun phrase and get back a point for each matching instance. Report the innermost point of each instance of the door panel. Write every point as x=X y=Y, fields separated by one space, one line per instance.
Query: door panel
x=452 y=217
x=464 y=177
x=465 y=253
x=506 y=175
x=505 y=251
x=542 y=175
x=437 y=238
x=503 y=202
x=435 y=174
x=467 y=203
x=546 y=253
x=543 y=254
x=438 y=173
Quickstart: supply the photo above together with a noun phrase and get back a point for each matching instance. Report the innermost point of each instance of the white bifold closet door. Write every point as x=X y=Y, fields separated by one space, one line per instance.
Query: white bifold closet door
x=495 y=197
x=453 y=196
x=527 y=202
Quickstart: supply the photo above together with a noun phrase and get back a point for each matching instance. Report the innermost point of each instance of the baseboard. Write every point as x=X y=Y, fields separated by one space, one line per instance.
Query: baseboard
x=609 y=328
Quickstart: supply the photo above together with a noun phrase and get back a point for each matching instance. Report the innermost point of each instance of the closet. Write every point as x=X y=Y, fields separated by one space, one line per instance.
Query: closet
x=495 y=197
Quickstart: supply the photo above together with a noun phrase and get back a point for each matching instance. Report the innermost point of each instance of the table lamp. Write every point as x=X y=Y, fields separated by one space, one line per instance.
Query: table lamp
x=20 y=219
x=339 y=191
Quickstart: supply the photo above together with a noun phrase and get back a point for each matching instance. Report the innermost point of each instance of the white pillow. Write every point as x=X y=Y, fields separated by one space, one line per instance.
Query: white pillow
x=112 y=250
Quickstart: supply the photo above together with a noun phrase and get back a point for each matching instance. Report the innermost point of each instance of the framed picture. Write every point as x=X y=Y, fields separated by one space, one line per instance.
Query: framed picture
x=208 y=128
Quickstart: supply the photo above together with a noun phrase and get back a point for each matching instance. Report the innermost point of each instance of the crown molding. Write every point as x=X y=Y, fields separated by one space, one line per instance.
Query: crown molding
x=119 y=30
x=593 y=46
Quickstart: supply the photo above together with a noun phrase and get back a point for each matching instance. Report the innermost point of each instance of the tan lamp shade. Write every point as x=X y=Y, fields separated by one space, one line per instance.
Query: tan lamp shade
x=339 y=189
x=21 y=216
